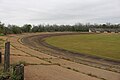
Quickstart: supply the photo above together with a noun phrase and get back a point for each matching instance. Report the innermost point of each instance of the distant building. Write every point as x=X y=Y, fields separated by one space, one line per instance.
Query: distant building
x=104 y=30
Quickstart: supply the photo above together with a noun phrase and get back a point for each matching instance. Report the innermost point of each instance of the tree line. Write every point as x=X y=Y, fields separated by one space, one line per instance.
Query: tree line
x=14 y=29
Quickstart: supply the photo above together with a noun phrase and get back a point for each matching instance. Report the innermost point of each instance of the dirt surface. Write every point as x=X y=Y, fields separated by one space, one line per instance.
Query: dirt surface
x=38 y=41
x=54 y=73
x=43 y=65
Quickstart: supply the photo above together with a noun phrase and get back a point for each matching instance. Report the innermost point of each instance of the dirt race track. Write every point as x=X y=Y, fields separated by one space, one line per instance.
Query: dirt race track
x=46 y=63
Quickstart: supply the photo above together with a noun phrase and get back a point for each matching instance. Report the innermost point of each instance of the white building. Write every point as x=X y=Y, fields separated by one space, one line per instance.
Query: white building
x=104 y=30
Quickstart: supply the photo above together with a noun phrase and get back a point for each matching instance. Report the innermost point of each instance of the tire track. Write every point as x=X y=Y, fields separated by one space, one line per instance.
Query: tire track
x=93 y=61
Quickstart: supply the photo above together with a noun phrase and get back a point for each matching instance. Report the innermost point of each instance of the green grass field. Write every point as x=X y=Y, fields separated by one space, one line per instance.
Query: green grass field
x=104 y=45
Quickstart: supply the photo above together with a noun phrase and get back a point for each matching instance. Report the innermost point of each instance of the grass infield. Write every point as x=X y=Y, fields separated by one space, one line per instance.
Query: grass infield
x=103 y=45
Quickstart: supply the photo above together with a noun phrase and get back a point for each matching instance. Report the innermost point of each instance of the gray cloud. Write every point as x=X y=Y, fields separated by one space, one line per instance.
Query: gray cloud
x=59 y=11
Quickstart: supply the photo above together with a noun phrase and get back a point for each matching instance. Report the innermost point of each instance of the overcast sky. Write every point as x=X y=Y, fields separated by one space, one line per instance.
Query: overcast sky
x=59 y=11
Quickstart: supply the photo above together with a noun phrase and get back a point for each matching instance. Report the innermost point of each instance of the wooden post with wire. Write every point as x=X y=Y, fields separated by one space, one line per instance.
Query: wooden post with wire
x=19 y=71
x=7 y=57
x=0 y=57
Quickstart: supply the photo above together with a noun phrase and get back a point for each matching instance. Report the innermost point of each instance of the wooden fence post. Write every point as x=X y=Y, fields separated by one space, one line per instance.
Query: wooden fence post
x=0 y=57
x=7 y=57
x=19 y=71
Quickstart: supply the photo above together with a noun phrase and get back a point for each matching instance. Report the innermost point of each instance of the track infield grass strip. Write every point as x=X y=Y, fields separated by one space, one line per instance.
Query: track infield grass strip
x=103 y=45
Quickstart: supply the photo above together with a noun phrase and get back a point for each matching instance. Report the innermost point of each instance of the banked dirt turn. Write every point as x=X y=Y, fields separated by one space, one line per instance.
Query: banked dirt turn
x=91 y=66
